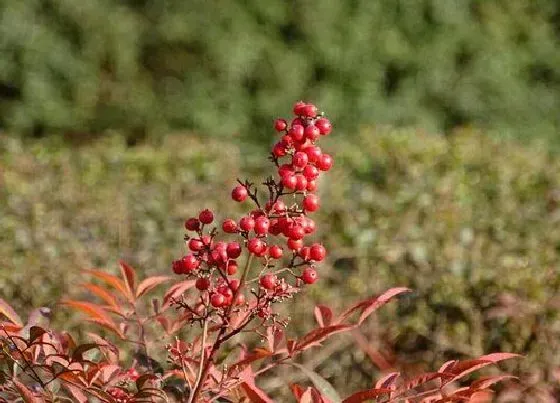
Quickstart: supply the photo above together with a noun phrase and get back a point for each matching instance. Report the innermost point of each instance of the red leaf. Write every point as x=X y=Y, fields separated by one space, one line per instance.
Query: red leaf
x=370 y=305
x=364 y=395
x=75 y=392
x=92 y=310
x=129 y=276
x=257 y=354
x=315 y=337
x=9 y=313
x=175 y=291
x=103 y=294
x=497 y=357
x=323 y=315
x=255 y=394
x=149 y=283
x=311 y=395
x=297 y=391
x=26 y=394
x=388 y=381
x=461 y=368
x=113 y=281
x=484 y=383
x=274 y=337
x=420 y=380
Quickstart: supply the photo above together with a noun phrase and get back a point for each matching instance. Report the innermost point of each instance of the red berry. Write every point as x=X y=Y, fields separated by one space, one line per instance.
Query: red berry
x=312 y=132
x=299 y=108
x=301 y=182
x=280 y=125
x=206 y=240
x=310 y=172
x=308 y=225
x=325 y=162
x=206 y=216
x=285 y=169
x=192 y=224
x=275 y=252
x=256 y=246
x=231 y=267
x=229 y=226
x=295 y=231
x=311 y=186
x=233 y=250
x=309 y=275
x=247 y=224
x=268 y=281
x=177 y=267
x=289 y=181
x=190 y=263
x=195 y=244
x=317 y=252
x=324 y=126
x=217 y=300
x=295 y=244
x=300 y=159
x=313 y=153
x=279 y=150
x=287 y=140
x=279 y=207
x=239 y=193
x=261 y=225
x=234 y=284
x=311 y=202
x=305 y=253
x=297 y=121
x=240 y=299
x=202 y=283
x=297 y=132
x=309 y=110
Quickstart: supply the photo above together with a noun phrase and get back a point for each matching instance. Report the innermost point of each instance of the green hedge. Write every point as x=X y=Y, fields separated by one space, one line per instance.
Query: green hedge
x=471 y=225
x=144 y=66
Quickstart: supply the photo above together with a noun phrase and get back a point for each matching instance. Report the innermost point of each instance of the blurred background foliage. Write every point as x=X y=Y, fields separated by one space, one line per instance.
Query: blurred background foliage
x=470 y=223
x=146 y=66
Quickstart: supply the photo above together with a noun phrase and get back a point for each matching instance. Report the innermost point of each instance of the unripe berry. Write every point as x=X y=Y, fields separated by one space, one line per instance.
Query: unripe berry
x=317 y=252
x=310 y=172
x=297 y=132
x=202 y=283
x=206 y=216
x=239 y=193
x=229 y=226
x=192 y=224
x=195 y=244
x=311 y=202
x=280 y=125
x=299 y=108
x=312 y=132
x=261 y=225
x=247 y=224
x=301 y=182
x=256 y=246
x=217 y=300
x=233 y=250
x=300 y=159
x=295 y=244
x=268 y=281
x=275 y=252
x=190 y=263
x=309 y=111
x=309 y=275
x=325 y=162
x=289 y=181
x=324 y=126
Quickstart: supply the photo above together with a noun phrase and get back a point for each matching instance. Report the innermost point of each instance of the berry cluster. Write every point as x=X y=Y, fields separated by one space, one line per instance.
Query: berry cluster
x=273 y=232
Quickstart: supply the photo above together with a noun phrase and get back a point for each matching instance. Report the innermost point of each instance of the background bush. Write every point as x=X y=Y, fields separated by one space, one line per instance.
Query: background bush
x=144 y=66
x=471 y=224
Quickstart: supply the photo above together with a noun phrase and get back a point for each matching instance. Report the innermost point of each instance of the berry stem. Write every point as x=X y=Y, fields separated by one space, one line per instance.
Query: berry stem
x=201 y=369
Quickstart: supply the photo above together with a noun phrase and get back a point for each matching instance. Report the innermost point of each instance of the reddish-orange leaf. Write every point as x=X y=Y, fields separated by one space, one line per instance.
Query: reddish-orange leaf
x=297 y=390
x=255 y=394
x=316 y=336
x=388 y=381
x=113 y=281
x=364 y=395
x=371 y=304
x=256 y=354
x=150 y=283
x=103 y=294
x=9 y=313
x=92 y=310
x=26 y=394
x=175 y=291
x=129 y=276
x=484 y=383
x=323 y=315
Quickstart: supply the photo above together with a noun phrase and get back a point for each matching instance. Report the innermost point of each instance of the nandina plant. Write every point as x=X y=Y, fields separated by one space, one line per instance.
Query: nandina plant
x=230 y=283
